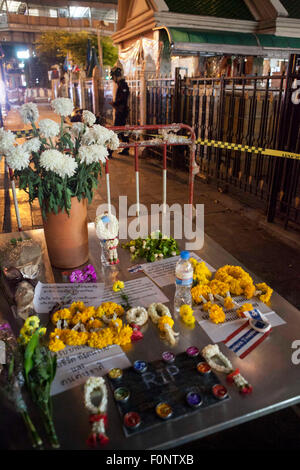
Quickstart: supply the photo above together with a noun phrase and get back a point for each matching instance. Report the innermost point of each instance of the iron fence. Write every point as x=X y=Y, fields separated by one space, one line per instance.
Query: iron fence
x=248 y=110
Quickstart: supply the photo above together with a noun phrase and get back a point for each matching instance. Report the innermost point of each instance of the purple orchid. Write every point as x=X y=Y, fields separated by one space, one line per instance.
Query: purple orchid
x=87 y=275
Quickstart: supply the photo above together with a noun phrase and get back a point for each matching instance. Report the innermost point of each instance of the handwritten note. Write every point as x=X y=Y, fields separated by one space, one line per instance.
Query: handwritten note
x=76 y=363
x=163 y=272
x=47 y=295
x=141 y=293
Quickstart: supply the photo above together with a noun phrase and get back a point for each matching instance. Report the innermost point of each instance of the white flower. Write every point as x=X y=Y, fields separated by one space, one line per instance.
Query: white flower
x=173 y=253
x=7 y=140
x=114 y=142
x=61 y=164
x=98 y=135
x=77 y=128
x=18 y=157
x=62 y=106
x=88 y=118
x=33 y=145
x=132 y=249
x=92 y=153
x=49 y=128
x=29 y=113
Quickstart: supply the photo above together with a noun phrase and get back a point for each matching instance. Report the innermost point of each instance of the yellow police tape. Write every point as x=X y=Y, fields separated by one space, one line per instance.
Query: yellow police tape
x=23 y=133
x=217 y=144
x=248 y=148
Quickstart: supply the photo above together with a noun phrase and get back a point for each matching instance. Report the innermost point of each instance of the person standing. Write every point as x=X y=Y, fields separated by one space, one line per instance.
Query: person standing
x=63 y=89
x=120 y=104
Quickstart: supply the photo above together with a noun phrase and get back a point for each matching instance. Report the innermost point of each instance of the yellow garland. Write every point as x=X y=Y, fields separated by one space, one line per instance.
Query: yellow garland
x=266 y=292
x=219 y=287
x=216 y=314
x=202 y=274
x=240 y=282
x=199 y=290
x=116 y=333
x=165 y=320
x=244 y=308
x=228 y=303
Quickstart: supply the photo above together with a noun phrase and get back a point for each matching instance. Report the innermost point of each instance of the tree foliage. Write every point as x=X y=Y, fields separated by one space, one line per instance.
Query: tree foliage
x=53 y=46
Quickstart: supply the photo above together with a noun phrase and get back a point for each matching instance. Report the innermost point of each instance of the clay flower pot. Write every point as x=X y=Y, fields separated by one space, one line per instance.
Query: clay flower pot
x=67 y=236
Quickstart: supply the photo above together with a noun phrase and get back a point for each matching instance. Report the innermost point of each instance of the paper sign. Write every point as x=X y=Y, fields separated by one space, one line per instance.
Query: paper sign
x=141 y=293
x=76 y=363
x=163 y=272
x=47 y=295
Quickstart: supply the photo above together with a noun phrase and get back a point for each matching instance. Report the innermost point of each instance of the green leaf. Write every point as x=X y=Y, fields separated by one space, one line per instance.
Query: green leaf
x=29 y=352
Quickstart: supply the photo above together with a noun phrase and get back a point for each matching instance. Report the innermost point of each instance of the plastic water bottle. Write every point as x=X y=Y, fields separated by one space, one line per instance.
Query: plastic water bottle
x=184 y=280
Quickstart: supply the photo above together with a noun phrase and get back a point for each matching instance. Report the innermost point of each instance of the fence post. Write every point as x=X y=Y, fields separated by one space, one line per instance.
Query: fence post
x=143 y=97
x=177 y=95
x=96 y=80
x=287 y=139
x=81 y=84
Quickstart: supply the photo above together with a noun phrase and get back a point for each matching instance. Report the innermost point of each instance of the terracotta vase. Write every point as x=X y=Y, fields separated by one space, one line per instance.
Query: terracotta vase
x=67 y=236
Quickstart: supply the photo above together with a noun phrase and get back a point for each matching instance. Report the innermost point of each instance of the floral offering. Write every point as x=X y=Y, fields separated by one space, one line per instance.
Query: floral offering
x=39 y=371
x=59 y=162
x=96 y=327
x=228 y=281
x=156 y=246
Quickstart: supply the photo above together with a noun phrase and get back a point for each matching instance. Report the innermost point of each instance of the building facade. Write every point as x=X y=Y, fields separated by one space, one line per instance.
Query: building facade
x=207 y=38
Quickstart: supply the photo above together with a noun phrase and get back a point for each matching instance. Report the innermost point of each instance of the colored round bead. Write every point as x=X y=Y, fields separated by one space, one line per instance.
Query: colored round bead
x=192 y=351
x=140 y=366
x=219 y=391
x=168 y=357
x=132 y=420
x=203 y=368
x=115 y=374
x=121 y=394
x=194 y=399
x=164 y=411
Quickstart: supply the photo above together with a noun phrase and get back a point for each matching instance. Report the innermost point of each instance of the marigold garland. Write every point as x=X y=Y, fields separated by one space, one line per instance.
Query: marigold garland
x=87 y=327
x=265 y=292
x=228 y=281
x=244 y=308
x=216 y=314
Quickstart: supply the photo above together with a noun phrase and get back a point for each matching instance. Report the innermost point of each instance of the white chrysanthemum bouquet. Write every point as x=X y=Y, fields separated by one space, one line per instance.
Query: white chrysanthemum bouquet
x=60 y=161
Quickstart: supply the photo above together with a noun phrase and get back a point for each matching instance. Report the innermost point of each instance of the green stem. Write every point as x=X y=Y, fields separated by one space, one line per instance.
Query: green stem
x=35 y=438
x=49 y=427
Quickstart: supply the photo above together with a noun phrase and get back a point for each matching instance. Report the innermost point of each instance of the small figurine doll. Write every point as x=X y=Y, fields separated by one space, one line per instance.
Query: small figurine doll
x=107 y=230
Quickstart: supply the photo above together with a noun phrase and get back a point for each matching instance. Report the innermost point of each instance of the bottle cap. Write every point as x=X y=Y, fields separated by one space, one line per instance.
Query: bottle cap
x=185 y=255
